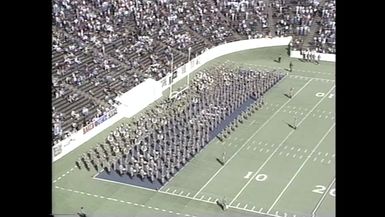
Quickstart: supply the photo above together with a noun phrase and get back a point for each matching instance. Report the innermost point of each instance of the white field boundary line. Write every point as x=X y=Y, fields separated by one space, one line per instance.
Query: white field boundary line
x=300 y=168
x=307 y=77
x=276 y=149
x=121 y=201
x=283 y=68
x=183 y=196
x=248 y=140
x=64 y=174
x=322 y=198
x=277 y=67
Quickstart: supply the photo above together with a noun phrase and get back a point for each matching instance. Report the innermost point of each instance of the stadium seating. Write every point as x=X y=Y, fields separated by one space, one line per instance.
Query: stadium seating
x=102 y=49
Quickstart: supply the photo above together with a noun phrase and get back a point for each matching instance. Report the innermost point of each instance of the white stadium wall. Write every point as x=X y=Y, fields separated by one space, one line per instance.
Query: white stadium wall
x=150 y=90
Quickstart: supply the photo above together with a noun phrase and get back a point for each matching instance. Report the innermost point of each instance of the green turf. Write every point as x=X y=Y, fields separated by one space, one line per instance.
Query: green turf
x=269 y=146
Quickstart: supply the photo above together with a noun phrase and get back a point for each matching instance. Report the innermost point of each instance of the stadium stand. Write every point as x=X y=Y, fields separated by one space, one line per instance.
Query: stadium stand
x=103 y=48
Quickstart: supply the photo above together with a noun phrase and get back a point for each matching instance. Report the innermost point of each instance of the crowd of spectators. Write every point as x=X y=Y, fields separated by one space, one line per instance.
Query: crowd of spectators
x=103 y=48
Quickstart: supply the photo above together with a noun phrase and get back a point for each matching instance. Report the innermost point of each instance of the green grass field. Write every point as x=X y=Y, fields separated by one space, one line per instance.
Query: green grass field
x=271 y=169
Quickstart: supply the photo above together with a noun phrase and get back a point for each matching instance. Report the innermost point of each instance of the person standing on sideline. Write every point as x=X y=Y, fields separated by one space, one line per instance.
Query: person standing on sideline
x=279 y=58
x=319 y=59
x=291 y=66
x=295 y=123
x=291 y=92
x=81 y=213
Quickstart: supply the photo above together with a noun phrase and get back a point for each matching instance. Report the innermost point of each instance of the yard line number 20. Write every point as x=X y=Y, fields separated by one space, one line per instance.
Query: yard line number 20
x=320 y=189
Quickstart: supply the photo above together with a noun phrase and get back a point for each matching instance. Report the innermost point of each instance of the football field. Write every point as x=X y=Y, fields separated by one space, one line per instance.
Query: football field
x=271 y=168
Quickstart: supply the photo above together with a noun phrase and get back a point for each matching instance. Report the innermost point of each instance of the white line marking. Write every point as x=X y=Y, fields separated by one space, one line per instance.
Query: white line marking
x=260 y=150
x=166 y=210
x=320 y=116
x=315 y=159
x=305 y=150
x=292 y=148
x=287 y=154
x=245 y=206
x=254 y=148
x=202 y=197
x=267 y=150
x=322 y=160
x=253 y=208
x=326 y=116
x=88 y=194
x=252 y=122
x=266 y=144
x=319 y=153
x=285 y=147
x=170 y=211
x=238 y=204
x=259 y=142
x=248 y=147
x=173 y=191
x=300 y=157
x=209 y=198
x=326 y=154
x=322 y=198
x=283 y=141
x=284 y=110
x=181 y=193
x=156 y=208
x=300 y=168
x=188 y=194
x=294 y=155
x=122 y=201
x=280 y=153
x=329 y=161
x=260 y=210
x=333 y=155
x=299 y=149
x=272 y=145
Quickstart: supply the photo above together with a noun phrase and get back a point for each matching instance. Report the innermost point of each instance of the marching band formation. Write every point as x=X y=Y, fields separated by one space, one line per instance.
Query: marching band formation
x=166 y=136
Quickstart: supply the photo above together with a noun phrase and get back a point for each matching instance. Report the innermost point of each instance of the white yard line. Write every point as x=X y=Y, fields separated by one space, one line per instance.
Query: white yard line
x=64 y=174
x=322 y=198
x=118 y=200
x=247 y=141
x=272 y=154
x=300 y=168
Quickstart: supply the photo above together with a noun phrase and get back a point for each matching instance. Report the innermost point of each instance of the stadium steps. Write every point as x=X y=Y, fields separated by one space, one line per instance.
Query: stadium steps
x=314 y=27
x=164 y=46
x=108 y=57
x=227 y=22
x=271 y=20
x=193 y=33
x=85 y=94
